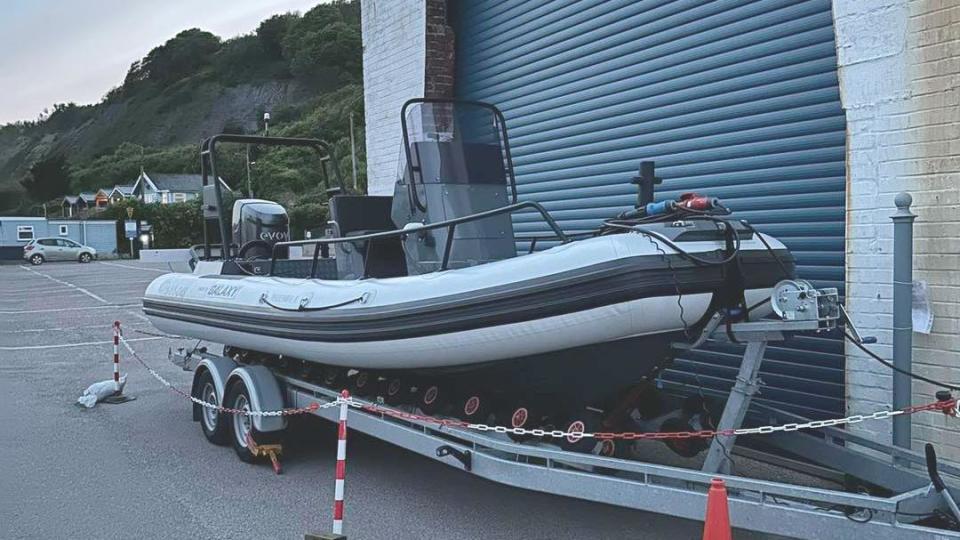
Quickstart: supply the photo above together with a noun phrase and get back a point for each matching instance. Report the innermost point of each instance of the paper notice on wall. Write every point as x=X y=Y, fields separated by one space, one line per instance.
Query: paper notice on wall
x=922 y=312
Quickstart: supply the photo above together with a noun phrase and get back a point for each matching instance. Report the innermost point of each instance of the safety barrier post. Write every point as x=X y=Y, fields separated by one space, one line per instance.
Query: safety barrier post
x=902 y=314
x=341 y=465
x=116 y=356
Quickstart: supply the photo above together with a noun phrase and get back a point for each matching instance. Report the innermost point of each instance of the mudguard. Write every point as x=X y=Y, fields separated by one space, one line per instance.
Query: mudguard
x=220 y=369
x=265 y=395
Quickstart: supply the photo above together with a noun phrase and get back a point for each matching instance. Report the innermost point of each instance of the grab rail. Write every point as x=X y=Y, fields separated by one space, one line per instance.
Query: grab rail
x=449 y=224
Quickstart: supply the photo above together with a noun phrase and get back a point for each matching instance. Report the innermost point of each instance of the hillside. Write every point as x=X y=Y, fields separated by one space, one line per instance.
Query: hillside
x=305 y=70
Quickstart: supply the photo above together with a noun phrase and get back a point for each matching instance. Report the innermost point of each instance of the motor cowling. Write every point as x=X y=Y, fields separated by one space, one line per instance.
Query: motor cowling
x=257 y=226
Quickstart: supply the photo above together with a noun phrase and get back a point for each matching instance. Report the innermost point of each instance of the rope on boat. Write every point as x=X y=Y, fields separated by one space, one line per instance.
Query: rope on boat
x=302 y=306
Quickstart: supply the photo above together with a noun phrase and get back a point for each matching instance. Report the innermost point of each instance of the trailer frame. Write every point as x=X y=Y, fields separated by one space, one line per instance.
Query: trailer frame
x=757 y=505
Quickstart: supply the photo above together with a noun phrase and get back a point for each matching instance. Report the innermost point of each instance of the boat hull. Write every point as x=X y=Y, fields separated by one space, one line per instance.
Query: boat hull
x=590 y=292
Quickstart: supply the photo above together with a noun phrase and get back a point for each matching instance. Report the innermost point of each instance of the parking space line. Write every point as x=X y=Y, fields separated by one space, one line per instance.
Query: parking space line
x=66 y=283
x=68 y=328
x=119 y=265
x=110 y=306
x=66 y=345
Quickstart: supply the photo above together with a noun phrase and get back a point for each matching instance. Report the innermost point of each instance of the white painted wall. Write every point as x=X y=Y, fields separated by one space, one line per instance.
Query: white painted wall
x=900 y=86
x=393 y=71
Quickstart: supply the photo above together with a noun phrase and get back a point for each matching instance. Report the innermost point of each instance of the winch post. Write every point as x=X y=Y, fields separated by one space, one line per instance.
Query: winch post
x=718 y=460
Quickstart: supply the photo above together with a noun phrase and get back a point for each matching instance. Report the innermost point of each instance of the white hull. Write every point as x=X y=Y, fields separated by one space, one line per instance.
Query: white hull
x=242 y=298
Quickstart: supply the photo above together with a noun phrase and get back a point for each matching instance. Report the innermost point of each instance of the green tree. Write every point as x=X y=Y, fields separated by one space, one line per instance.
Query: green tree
x=47 y=178
x=181 y=56
x=323 y=47
x=272 y=31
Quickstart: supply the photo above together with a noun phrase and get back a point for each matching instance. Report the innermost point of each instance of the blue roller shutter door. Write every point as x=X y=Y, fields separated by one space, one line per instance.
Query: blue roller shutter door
x=732 y=98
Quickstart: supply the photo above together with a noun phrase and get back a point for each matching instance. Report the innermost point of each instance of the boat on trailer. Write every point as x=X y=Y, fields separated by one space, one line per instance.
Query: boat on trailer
x=430 y=292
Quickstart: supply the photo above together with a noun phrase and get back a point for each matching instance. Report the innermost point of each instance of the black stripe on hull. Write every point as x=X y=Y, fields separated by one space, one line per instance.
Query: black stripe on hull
x=569 y=292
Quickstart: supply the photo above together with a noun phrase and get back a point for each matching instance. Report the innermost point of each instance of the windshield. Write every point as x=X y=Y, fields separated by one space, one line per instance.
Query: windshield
x=451 y=142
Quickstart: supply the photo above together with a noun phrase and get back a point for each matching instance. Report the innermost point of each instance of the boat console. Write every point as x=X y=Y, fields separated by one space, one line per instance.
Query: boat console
x=451 y=206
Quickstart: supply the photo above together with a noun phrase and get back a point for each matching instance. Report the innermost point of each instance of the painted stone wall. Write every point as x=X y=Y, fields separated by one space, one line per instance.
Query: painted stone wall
x=900 y=86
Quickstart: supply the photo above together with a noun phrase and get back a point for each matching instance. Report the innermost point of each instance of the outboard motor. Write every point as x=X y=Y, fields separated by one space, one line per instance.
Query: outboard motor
x=457 y=163
x=257 y=226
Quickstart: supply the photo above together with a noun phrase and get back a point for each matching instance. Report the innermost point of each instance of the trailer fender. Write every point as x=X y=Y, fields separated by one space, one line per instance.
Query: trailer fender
x=219 y=369
x=265 y=395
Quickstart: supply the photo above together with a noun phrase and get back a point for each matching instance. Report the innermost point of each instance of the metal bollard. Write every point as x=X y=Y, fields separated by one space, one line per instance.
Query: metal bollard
x=116 y=356
x=902 y=314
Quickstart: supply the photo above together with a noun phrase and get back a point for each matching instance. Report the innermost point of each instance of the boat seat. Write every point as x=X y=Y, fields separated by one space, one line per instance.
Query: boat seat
x=354 y=215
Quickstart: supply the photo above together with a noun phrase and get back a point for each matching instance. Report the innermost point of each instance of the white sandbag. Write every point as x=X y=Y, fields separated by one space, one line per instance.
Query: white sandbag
x=98 y=391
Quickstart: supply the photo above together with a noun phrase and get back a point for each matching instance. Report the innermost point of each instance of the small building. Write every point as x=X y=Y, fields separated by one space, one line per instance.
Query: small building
x=119 y=193
x=70 y=206
x=89 y=199
x=16 y=232
x=169 y=188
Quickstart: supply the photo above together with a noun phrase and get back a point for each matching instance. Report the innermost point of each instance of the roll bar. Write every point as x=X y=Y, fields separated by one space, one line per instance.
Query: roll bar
x=449 y=224
x=412 y=189
x=208 y=153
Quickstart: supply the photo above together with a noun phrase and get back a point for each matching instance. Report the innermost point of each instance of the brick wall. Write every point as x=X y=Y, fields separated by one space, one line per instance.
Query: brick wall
x=440 y=54
x=394 y=34
x=900 y=86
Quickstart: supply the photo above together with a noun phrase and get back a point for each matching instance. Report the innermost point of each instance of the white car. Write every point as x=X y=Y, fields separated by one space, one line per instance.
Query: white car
x=40 y=250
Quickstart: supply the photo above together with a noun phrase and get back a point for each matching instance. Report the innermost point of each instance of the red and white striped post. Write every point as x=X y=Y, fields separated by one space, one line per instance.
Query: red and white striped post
x=341 y=465
x=116 y=356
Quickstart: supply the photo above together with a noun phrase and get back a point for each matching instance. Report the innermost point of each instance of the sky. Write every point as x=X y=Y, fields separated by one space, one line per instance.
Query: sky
x=58 y=51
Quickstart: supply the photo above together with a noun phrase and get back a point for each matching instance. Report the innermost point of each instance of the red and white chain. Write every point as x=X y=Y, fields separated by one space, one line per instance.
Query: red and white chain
x=950 y=407
x=219 y=408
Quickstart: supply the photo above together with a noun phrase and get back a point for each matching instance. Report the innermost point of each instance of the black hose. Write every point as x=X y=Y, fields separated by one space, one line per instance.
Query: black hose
x=783 y=267
x=912 y=375
x=678 y=249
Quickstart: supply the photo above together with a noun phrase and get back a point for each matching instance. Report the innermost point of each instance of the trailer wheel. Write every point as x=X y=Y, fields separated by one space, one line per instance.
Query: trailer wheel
x=238 y=397
x=430 y=398
x=583 y=421
x=524 y=415
x=363 y=384
x=473 y=407
x=334 y=377
x=214 y=423
x=396 y=391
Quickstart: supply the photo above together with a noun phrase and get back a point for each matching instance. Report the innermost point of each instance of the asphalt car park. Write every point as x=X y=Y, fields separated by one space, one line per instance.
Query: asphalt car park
x=142 y=469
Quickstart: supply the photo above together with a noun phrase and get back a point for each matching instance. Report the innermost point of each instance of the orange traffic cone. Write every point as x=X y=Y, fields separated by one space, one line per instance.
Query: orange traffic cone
x=716 y=526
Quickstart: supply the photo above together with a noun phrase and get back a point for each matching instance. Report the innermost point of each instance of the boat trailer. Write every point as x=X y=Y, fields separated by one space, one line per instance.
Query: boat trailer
x=910 y=497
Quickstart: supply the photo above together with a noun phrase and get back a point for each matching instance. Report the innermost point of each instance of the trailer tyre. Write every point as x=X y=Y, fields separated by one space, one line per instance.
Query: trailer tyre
x=238 y=397
x=215 y=424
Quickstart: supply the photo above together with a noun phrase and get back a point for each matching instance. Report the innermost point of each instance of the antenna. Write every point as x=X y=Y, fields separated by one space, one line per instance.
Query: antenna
x=353 y=153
